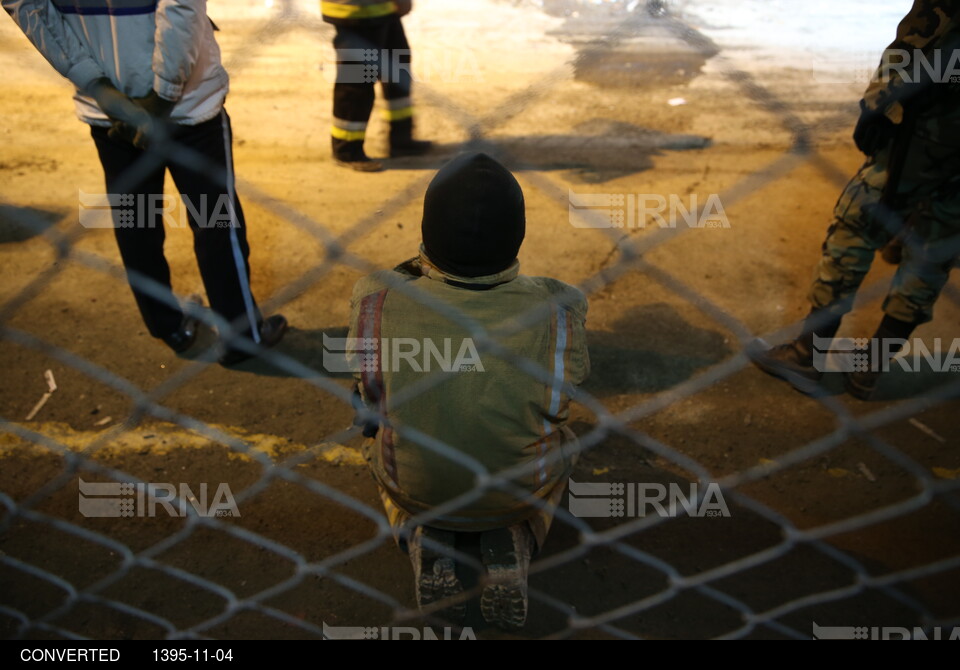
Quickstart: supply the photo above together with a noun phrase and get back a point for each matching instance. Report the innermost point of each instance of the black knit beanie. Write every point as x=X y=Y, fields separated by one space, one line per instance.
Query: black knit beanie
x=474 y=218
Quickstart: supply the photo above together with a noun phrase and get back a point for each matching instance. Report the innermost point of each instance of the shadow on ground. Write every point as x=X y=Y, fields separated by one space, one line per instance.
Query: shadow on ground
x=19 y=224
x=649 y=349
x=599 y=150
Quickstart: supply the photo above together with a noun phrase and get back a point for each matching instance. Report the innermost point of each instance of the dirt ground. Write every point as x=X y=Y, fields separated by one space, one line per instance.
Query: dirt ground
x=573 y=98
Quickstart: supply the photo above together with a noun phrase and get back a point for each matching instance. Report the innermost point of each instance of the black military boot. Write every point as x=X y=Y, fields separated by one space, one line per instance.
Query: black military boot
x=402 y=142
x=350 y=154
x=887 y=343
x=793 y=362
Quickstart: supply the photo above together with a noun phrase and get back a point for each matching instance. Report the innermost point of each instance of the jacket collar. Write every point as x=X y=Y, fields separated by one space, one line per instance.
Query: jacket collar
x=428 y=269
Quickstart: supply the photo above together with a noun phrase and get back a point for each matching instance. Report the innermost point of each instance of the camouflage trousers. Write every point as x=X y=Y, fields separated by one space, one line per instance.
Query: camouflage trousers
x=925 y=212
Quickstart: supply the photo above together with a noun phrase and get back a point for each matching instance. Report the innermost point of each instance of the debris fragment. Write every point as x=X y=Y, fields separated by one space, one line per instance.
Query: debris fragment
x=865 y=471
x=36 y=408
x=104 y=421
x=926 y=429
x=676 y=102
x=52 y=387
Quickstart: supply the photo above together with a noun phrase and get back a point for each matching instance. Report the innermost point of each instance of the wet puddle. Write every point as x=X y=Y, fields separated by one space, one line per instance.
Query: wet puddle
x=629 y=43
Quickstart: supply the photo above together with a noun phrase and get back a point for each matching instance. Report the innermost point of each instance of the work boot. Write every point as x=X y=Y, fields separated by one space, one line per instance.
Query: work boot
x=402 y=142
x=862 y=383
x=793 y=362
x=435 y=571
x=351 y=155
x=505 y=553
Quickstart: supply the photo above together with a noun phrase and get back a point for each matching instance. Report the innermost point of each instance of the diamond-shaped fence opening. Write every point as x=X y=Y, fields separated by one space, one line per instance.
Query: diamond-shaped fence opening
x=742 y=509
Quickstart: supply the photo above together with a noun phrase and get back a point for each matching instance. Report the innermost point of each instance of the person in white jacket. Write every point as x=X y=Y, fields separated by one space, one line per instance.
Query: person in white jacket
x=150 y=83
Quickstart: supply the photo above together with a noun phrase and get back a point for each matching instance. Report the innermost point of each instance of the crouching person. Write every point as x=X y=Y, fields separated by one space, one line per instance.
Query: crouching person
x=441 y=408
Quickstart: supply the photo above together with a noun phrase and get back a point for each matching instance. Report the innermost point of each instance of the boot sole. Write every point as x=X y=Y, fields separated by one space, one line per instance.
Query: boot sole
x=503 y=601
x=440 y=585
x=361 y=166
x=438 y=580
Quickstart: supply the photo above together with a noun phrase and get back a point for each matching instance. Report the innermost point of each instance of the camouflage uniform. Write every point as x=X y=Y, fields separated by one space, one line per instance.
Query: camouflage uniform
x=928 y=193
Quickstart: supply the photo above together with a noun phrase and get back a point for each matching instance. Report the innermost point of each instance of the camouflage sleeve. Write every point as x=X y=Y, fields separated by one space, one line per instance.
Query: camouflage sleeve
x=923 y=29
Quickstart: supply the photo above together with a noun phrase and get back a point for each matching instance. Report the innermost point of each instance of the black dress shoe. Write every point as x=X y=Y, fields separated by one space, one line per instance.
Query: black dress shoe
x=181 y=340
x=272 y=331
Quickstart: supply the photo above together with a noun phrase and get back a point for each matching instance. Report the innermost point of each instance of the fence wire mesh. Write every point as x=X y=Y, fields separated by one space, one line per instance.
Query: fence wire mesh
x=842 y=514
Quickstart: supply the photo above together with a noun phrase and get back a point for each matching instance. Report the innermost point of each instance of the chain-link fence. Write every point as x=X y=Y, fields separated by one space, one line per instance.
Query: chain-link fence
x=837 y=517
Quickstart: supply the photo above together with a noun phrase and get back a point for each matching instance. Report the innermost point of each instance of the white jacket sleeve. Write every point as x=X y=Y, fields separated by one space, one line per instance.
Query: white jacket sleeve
x=45 y=26
x=179 y=38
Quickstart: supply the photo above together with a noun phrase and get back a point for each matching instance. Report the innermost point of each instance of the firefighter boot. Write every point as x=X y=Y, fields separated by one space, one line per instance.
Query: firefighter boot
x=350 y=154
x=402 y=142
